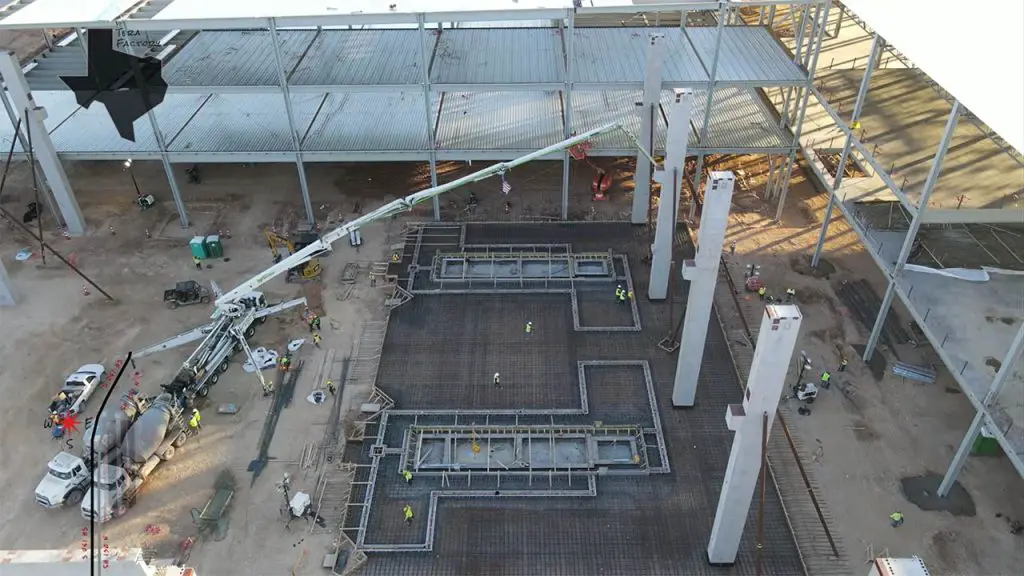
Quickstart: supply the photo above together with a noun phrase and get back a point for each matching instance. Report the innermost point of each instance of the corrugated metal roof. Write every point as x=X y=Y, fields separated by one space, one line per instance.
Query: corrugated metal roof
x=92 y=130
x=59 y=105
x=748 y=54
x=244 y=123
x=52 y=64
x=592 y=109
x=618 y=55
x=738 y=120
x=370 y=121
x=499 y=56
x=362 y=57
x=500 y=120
x=234 y=58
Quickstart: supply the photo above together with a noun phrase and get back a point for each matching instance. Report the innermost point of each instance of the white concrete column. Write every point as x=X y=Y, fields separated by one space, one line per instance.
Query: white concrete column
x=44 y=190
x=776 y=341
x=45 y=153
x=648 y=122
x=671 y=180
x=6 y=292
x=702 y=273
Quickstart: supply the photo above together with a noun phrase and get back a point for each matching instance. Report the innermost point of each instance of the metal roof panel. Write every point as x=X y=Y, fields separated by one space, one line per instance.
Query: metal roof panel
x=92 y=130
x=748 y=54
x=592 y=109
x=500 y=120
x=363 y=58
x=244 y=123
x=498 y=56
x=619 y=55
x=738 y=120
x=370 y=121
x=235 y=58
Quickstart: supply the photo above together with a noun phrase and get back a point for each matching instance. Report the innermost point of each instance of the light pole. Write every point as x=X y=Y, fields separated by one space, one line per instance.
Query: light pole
x=128 y=166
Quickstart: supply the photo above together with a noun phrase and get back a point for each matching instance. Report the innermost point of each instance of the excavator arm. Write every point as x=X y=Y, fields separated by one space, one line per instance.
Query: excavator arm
x=407 y=203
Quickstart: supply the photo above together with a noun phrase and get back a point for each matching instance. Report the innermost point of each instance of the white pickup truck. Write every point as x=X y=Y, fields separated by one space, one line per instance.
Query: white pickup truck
x=78 y=387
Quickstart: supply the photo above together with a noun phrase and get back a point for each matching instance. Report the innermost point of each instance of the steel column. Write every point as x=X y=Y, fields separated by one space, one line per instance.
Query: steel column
x=865 y=82
x=839 y=22
x=915 y=225
x=80 y=32
x=806 y=61
x=1002 y=376
x=648 y=124
x=570 y=52
x=296 y=142
x=169 y=170
x=712 y=74
x=818 y=31
x=432 y=144
x=44 y=188
x=33 y=117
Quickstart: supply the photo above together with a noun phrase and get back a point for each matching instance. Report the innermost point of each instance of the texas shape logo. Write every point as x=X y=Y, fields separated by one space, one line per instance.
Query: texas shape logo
x=127 y=85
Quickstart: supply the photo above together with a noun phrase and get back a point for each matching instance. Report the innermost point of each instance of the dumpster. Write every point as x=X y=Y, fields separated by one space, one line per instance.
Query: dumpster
x=214 y=249
x=198 y=247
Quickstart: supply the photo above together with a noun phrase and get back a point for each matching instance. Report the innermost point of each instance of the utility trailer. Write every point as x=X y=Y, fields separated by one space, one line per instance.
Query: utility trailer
x=68 y=477
x=153 y=439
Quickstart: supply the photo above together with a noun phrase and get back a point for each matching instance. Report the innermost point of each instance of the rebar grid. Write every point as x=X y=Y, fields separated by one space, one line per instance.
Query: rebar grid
x=669 y=513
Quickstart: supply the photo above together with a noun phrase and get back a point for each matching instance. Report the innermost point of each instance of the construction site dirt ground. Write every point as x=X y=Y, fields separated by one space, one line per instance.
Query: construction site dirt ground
x=56 y=327
x=864 y=434
x=885 y=431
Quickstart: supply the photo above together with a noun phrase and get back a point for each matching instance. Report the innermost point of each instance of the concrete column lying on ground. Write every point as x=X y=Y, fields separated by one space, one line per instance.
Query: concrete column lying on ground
x=45 y=153
x=648 y=123
x=671 y=180
x=915 y=225
x=776 y=341
x=1002 y=376
x=702 y=273
x=865 y=82
x=6 y=292
x=296 y=141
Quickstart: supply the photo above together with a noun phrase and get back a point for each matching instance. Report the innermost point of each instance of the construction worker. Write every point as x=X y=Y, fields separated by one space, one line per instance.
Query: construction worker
x=406 y=475
x=618 y=292
x=761 y=292
x=314 y=323
x=842 y=365
x=197 y=262
x=497 y=380
x=629 y=295
x=825 y=377
x=285 y=362
x=407 y=513
x=896 y=519
x=790 y=294
x=331 y=387
x=316 y=339
x=373 y=280
x=194 y=421
x=732 y=248
x=529 y=327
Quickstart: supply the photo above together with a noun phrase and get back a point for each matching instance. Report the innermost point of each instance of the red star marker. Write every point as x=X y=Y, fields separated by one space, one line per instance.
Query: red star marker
x=69 y=422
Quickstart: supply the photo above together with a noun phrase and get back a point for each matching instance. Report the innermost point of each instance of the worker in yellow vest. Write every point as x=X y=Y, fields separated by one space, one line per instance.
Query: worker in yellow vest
x=407 y=513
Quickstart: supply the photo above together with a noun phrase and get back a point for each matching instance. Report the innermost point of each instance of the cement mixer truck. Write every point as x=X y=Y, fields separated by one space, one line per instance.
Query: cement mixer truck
x=69 y=476
x=152 y=439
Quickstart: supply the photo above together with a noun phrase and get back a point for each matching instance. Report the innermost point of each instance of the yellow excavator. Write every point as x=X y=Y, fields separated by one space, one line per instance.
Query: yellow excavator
x=309 y=270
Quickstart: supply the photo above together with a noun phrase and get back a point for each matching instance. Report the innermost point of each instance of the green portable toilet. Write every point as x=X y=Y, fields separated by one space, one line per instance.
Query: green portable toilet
x=214 y=249
x=198 y=246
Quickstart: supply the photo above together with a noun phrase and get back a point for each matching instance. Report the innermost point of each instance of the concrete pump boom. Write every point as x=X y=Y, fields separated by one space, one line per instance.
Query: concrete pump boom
x=405 y=204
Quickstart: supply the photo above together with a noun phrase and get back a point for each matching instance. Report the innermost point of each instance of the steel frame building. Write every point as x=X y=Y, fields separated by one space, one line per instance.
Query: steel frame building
x=468 y=85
